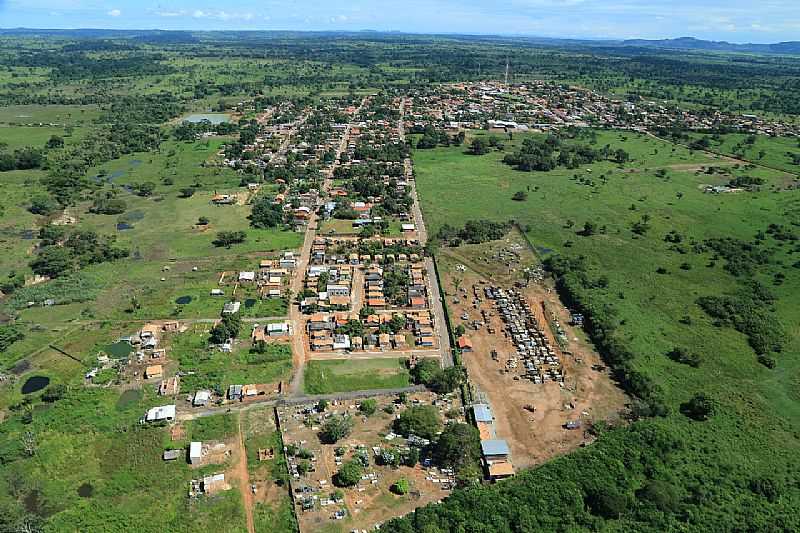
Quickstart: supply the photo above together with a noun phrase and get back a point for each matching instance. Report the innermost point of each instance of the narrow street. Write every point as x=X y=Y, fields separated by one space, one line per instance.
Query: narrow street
x=244 y=481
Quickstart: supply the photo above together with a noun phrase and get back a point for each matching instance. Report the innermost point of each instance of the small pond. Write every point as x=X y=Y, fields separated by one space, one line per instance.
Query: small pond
x=250 y=302
x=118 y=350
x=34 y=384
x=214 y=118
x=127 y=398
x=86 y=490
x=183 y=300
x=122 y=226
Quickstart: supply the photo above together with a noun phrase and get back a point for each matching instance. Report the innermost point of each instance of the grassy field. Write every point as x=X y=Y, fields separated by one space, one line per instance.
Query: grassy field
x=90 y=442
x=768 y=151
x=323 y=377
x=215 y=369
x=656 y=312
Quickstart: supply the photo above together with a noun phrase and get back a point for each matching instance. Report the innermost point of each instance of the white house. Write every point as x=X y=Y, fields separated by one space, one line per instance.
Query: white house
x=157 y=414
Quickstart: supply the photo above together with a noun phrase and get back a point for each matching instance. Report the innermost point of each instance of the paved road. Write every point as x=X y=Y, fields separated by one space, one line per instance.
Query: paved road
x=192 y=414
x=440 y=326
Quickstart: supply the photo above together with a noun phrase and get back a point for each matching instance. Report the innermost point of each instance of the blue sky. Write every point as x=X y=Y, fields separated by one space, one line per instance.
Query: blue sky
x=731 y=20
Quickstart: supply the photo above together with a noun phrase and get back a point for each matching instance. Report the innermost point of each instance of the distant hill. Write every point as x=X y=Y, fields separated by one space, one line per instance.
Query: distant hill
x=690 y=43
x=179 y=36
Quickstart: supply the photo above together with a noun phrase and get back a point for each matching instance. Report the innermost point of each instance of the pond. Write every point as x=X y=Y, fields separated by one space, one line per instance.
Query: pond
x=214 y=118
x=250 y=302
x=34 y=384
x=122 y=226
x=86 y=490
x=118 y=350
x=129 y=397
x=183 y=300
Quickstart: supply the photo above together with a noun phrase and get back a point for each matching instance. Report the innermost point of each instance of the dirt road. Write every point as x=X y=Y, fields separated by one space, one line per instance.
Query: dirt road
x=244 y=481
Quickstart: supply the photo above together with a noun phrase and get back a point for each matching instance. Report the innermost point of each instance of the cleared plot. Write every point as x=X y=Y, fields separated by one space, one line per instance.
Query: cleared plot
x=57 y=114
x=213 y=368
x=587 y=395
x=329 y=376
x=272 y=511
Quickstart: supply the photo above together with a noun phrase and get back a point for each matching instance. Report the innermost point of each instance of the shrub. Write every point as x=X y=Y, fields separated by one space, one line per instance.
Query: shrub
x=400 y=487
x=699 y=407
x=335 y=429
x=349 y=474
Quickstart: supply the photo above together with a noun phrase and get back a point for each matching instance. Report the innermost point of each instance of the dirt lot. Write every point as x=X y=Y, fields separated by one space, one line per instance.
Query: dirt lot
x=585 y=394
x=371 y=502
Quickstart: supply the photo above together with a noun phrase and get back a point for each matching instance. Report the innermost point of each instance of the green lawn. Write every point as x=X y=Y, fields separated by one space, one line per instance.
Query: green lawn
x=323 y=377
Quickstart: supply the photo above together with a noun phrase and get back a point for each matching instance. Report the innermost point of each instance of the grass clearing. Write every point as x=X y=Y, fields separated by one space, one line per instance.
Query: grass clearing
x=328 y=376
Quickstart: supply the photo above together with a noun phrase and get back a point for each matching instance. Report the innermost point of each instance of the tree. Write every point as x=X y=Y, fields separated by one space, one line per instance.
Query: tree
x=43 y=204
x=659 y=493
x=229 y=238
x=520 y=196
x=589 y=229
x=54 y=142
x=187 y=192
x=457 y=447
x=349 y=474
x=607 y=502
x=336 y=428
x=228 y=328
x=52 y=261
x=699 y=407
x=684 y=356
x=368 y=406
x=420 y=420
x=400 y=487
x=266 y=213
x=146 y=188
x=478 y=146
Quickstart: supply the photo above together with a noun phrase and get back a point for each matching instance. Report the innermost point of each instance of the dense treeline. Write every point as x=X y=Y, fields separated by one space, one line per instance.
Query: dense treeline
x=473 y=232
x=549 y=153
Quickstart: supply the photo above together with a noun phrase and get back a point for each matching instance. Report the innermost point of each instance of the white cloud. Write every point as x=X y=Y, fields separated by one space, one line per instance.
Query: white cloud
x=338 y=18
x=114 y=13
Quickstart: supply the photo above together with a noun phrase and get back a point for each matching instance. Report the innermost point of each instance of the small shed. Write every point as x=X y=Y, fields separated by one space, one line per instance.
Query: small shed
x=195 y=452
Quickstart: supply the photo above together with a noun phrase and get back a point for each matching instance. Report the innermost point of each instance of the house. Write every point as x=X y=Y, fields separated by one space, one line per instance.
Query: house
x=384 y=341
x=248 y=391
x=214 y=484
x=217 y=292
x=494 y=451
x=161 y=413
x=417 y=302
x=153 y=371
x=247 y=277
x=482 y=413
x=500 y=470
x=235 y=392
x=169 y=387
x=223 y=199
x=201 y=398
x=464 y=344
x=337 y=290
x=341 y=342
x=195 y=452
x=231 y=308
x=407 y=227
x=280 y=329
